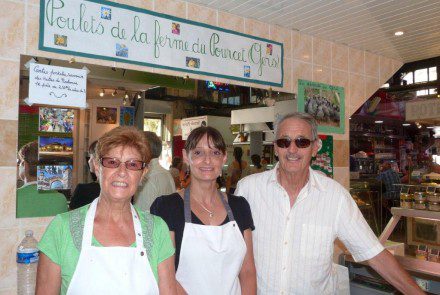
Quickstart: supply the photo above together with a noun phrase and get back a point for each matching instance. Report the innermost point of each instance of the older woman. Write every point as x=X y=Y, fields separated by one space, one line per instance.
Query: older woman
x=109 y=247
x=211 y=230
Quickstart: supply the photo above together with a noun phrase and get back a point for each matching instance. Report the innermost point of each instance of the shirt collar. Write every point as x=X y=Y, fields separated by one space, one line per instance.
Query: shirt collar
x=313 y=178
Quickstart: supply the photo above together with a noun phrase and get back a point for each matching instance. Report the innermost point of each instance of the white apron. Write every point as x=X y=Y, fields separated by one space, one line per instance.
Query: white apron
x=112 y=270
x=210 y=256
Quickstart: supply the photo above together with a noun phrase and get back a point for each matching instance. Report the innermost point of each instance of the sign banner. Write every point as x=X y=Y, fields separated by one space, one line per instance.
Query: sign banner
x=57 y=86
x=420 y=110
x=326 y=103
x=118 y=32
x=189 y=124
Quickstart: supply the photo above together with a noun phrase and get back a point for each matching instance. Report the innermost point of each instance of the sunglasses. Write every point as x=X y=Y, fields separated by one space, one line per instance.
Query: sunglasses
x=134 y=165
x=300 y=142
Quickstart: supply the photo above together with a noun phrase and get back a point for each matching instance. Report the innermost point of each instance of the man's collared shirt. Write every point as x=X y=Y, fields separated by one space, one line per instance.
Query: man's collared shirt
x=293 y=247
x=159 y=182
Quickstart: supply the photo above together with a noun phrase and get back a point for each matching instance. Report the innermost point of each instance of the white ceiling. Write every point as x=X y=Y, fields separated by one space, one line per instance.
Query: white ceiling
x=363 y=24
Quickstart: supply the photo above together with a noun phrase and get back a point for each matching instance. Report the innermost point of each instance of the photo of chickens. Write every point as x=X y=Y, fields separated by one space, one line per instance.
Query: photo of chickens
x=324 y=102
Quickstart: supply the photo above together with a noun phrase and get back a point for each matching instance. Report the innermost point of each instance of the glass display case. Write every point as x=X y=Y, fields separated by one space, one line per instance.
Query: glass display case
x=367 y=194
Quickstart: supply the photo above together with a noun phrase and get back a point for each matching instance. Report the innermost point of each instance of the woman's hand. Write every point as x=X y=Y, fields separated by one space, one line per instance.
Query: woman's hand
x=248 y=274
x=48 y=277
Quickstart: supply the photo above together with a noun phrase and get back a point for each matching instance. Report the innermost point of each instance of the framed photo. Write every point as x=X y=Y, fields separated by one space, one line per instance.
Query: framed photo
x=55 y=149
x=56 y=120
x=105 y=115
x=54 y=177
x=326 y=103
x=126 y=116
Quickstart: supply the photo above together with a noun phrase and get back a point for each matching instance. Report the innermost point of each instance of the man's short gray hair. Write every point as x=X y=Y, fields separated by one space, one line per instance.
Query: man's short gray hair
x=154 y=143
x=300 y=116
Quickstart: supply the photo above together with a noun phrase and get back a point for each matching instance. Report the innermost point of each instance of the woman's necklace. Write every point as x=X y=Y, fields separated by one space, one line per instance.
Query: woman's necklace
x=211 y=213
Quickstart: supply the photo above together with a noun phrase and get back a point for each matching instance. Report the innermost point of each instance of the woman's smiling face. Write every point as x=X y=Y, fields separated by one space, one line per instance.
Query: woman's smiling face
x=119 y=183
x=205 y=160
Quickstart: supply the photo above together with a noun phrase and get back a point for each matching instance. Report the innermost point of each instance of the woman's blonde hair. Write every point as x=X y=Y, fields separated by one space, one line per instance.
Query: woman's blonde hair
x=125 y=136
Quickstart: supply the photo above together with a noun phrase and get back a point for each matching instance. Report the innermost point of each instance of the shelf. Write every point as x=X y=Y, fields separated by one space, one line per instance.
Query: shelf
x=381 y=135
x=396 y=211
x=385 y=148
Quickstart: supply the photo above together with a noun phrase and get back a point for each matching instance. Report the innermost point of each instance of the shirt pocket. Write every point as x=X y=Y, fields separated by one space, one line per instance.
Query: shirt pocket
x=316 y=242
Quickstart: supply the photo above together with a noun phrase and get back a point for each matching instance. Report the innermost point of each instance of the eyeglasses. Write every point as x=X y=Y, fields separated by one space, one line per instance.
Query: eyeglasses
x=133 y=165
x=300 y=142
x=198 y=154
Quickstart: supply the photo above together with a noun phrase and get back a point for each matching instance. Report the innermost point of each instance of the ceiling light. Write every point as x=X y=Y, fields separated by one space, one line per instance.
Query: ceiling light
x=430 y=127
x=126 y=95
x=102 y=93
x=139 y=96
x=398 y=33
x=406 y=124
x=378 y=122
x=114 y=93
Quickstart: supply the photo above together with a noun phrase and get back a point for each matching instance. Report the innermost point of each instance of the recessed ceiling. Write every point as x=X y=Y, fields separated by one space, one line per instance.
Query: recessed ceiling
x=364 y=24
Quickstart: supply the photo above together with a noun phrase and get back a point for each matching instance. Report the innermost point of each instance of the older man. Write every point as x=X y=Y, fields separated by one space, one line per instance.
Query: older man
x=159 y=181
x=298 y=214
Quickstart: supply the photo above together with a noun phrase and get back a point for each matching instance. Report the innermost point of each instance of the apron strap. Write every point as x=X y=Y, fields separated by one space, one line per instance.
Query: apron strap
x=187 y=206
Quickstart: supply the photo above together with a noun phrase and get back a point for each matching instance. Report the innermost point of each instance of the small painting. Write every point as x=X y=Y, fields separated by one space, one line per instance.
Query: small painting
x=247 y=71
x=175 y=28
x=126 y=117
x=192 y=62
x=269 y=49
x=121 y=50
x=106 y=13
x=56 y=120
x=60 y=40
x=106 y=115
x=326 y=103
x=55 y=149
x=54 y=177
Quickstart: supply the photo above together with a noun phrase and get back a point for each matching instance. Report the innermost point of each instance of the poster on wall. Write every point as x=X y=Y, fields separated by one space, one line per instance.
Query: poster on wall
x=55 y=149
x=324 y=158
x=126 y=116
x=55 y=120
x=189 y=124
x=106 y=115
x=118 y=32
x=326 y=103
x=54 y=177
x=58 y=86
